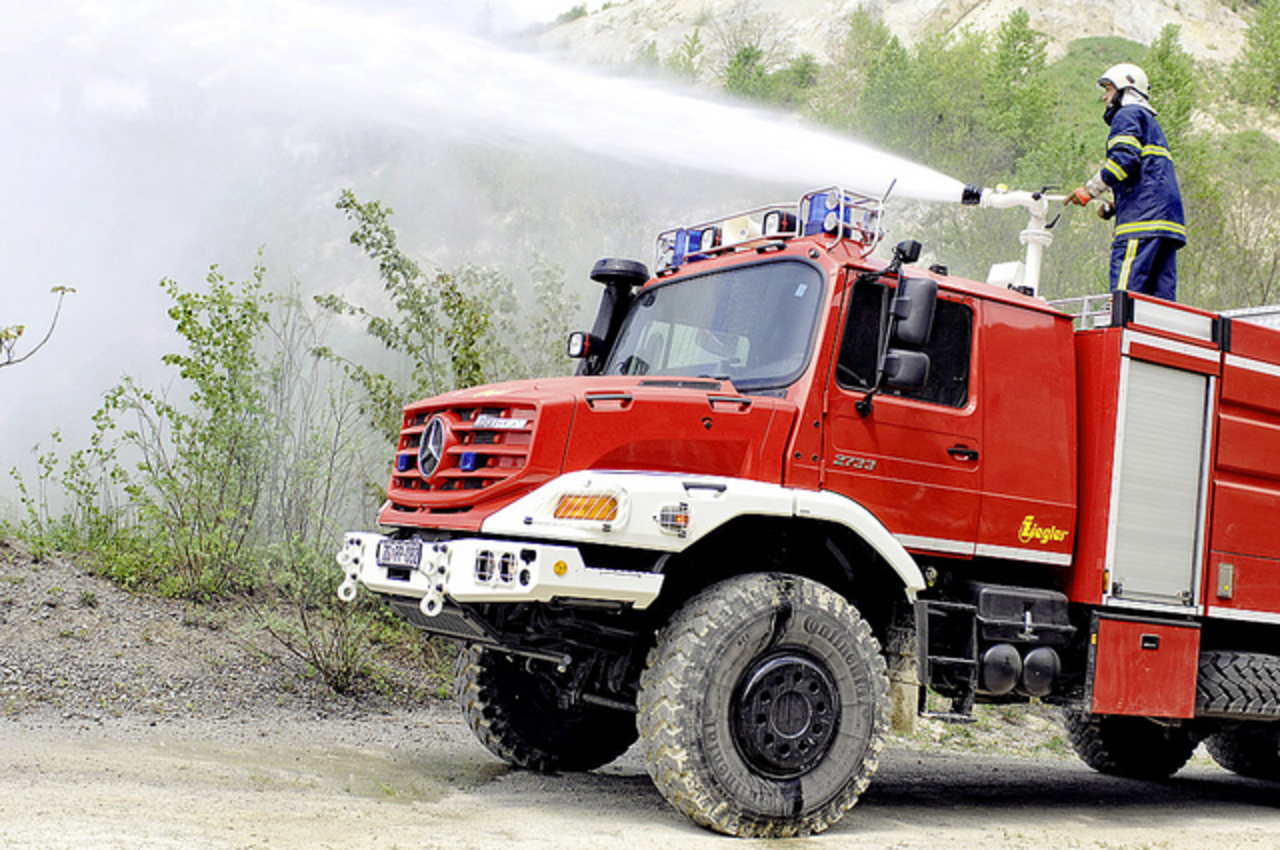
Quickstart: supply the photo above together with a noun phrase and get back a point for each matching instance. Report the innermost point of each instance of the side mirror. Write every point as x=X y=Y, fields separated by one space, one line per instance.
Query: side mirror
x=913 y=308
x=910 y=318
x=583 y=344
x=906 y=370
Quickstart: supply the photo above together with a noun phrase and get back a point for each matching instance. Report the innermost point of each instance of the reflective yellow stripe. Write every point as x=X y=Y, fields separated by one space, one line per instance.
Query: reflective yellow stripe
x=1131 y=141
x=1115 y=169
x=1156 y=150
x=1138 y=226
x=1130 y=251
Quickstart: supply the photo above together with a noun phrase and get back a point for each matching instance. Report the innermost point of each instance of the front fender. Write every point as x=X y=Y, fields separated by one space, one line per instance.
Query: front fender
x=669 y=512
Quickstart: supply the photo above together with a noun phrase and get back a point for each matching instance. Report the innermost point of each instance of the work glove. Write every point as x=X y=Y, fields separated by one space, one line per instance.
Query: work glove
x=1106 y=210
x=1079 y=196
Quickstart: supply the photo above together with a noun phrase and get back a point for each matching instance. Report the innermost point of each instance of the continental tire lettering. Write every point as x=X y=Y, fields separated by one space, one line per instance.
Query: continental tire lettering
x=834 y=636
x=732 y=772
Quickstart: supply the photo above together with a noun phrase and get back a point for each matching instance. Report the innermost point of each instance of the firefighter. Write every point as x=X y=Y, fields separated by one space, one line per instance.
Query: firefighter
x=1149 y=226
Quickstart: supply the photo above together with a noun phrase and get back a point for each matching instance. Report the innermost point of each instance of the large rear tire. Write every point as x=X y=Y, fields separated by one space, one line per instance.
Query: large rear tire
x=1249 y=749
x=764 y=706
x=514 y=713
x=1130 y=746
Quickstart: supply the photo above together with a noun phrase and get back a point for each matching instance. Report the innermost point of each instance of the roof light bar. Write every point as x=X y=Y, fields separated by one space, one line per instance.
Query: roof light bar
x=833 y=212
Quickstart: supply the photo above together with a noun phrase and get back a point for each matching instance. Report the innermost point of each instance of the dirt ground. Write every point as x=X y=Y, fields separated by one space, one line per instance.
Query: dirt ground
x=128 y=723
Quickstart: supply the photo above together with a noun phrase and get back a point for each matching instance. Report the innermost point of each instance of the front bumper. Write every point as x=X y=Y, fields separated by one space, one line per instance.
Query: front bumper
x=483 y=570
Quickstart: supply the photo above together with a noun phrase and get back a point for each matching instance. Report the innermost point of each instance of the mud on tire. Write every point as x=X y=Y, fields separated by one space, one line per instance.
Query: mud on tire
x=514 y=713
x=1129 y=746
x=764 y=706
x=1250 y=749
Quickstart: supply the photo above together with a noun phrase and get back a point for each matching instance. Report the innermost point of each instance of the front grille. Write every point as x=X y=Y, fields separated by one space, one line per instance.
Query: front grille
x=483 y=447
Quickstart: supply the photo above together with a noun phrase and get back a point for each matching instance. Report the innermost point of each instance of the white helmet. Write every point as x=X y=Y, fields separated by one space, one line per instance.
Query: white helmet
x=1125 y=76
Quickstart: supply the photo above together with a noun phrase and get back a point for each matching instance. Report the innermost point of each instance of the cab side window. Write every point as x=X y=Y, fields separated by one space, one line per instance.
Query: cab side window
x=949 y=347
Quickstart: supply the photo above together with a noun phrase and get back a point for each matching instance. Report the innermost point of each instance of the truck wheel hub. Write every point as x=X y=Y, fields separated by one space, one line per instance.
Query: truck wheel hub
x=785 y=714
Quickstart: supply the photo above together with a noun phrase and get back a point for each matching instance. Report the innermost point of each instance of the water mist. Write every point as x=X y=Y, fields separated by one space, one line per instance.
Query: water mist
x=152 y=139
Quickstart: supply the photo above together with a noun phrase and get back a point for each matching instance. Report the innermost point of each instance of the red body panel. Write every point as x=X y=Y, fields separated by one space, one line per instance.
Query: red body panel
x=896 y=463
x=1146 y=669
x=663 y=429
x=1243 y=578
x=1133 y=380
x=1029 y=426
x=1098 y=381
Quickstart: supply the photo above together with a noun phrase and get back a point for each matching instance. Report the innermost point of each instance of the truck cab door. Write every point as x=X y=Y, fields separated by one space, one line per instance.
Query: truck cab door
x=915 y=459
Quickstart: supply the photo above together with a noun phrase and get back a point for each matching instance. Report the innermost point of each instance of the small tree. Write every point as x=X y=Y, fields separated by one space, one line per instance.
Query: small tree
x=1016 y=96
x=842 y=84
x=750 y=44
x=198 y=485
x=1255 y=76
x=746 y=74
x=686 y=60
x=1175 y=89
x=449 y=329
x=418 y=327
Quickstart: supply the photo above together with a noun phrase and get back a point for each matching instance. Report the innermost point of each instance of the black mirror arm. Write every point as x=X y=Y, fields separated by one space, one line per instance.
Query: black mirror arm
x=864 y=405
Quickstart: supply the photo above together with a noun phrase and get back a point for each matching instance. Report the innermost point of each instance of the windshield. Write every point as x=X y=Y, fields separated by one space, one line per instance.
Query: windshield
x=750 y=325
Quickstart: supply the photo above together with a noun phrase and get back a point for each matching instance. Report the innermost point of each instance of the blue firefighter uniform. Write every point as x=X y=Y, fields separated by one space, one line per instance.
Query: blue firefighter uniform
x=1149 y=227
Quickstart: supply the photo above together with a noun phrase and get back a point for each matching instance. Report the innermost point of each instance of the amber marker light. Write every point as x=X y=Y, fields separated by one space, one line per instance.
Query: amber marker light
x=598 y=507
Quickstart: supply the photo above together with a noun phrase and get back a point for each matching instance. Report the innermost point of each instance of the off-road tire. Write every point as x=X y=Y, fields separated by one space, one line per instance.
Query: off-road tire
x=764 y=706
x=514 y=713
x=1129 y=746
x=1248 y=749
x=1238 y=684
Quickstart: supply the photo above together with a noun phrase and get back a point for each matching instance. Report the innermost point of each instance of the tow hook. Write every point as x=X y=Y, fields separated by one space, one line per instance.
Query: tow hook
x=349 y=560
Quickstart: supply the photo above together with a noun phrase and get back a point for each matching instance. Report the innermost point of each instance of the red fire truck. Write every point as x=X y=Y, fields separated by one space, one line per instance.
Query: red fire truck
x=789 y=476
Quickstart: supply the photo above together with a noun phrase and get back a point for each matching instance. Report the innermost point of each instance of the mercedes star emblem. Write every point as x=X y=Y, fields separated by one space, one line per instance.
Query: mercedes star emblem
x=431 y=449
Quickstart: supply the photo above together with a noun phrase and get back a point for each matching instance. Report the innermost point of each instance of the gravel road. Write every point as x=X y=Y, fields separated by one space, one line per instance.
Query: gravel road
x=129 y=722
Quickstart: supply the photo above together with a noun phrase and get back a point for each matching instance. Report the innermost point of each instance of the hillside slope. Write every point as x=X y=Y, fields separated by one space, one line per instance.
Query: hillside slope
x=1210 y=30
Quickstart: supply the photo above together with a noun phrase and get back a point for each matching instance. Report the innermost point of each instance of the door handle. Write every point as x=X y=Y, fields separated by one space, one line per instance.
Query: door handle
x=737 y=402
x=963 y=453
x=623 y=400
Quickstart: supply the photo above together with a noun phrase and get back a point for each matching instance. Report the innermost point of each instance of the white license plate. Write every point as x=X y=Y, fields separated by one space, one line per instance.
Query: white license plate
x=400 y=553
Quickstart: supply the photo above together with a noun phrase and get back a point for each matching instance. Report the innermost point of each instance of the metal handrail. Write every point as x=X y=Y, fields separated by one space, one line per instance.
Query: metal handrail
x=1089 y=311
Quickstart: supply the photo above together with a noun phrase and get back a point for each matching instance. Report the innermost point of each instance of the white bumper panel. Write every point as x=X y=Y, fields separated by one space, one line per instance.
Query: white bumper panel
x=475 y=570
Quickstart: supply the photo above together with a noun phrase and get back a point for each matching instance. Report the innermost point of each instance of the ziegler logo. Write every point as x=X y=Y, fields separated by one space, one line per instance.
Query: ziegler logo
x=849 y=462
x=1030 y=532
